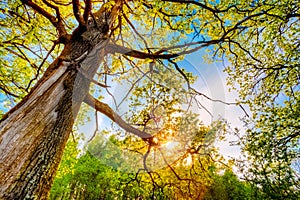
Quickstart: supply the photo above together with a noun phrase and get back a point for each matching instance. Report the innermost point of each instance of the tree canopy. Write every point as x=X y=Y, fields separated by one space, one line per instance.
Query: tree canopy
x=121 y=58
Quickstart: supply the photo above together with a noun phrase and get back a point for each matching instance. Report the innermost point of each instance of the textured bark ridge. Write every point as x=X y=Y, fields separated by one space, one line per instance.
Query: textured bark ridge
x=33 y=135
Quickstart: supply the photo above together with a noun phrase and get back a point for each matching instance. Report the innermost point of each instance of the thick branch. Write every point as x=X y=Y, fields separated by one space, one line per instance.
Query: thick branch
x=106 y=110
x=55 y=8
x=87 y=10
x=56 y=21
x=76 y=6
x=40 y=10
x=114 y=48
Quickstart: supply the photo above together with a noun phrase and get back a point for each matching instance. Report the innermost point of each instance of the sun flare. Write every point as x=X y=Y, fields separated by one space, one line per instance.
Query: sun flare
x=188 y=160
x=171 y=145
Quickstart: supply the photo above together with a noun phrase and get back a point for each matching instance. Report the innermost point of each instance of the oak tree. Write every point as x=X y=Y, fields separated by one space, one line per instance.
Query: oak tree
x=52 y=51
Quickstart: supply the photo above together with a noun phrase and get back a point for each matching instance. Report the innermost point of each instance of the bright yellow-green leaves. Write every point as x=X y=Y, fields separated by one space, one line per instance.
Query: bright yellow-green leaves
x=265 y=56
x=260 y=39
x=264 y=65
x=26 y=38
x=107 y=170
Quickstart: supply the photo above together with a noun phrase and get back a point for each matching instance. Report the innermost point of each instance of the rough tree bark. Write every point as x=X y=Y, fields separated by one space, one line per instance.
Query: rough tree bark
x=34 y=133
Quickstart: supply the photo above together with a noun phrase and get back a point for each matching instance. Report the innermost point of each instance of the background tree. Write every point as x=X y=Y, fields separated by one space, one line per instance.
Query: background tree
x=228 y=186
x=52 y=50
x=106 y=171
x=264 y=66
x=271 y=165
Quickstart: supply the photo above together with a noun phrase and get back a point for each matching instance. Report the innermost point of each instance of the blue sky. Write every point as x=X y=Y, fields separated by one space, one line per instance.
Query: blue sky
x=212 y=82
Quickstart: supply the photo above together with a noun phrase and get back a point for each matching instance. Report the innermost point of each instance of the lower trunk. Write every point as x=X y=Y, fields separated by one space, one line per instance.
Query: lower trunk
x=33 y=136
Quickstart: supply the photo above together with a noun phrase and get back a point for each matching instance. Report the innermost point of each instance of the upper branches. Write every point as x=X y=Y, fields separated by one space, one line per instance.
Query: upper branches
x=57 y=20
x=76 y=11
x=82 y=19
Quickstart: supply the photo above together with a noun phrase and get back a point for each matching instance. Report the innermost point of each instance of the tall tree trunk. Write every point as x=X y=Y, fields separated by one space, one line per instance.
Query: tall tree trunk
x=34 y=133
x=33 y=136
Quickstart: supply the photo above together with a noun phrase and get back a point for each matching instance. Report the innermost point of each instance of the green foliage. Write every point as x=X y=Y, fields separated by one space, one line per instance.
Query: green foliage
x=273 y=146
x=229 y=187
x=102 y=172
x=21 y=52
x=264 y=68
x=259 y=39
